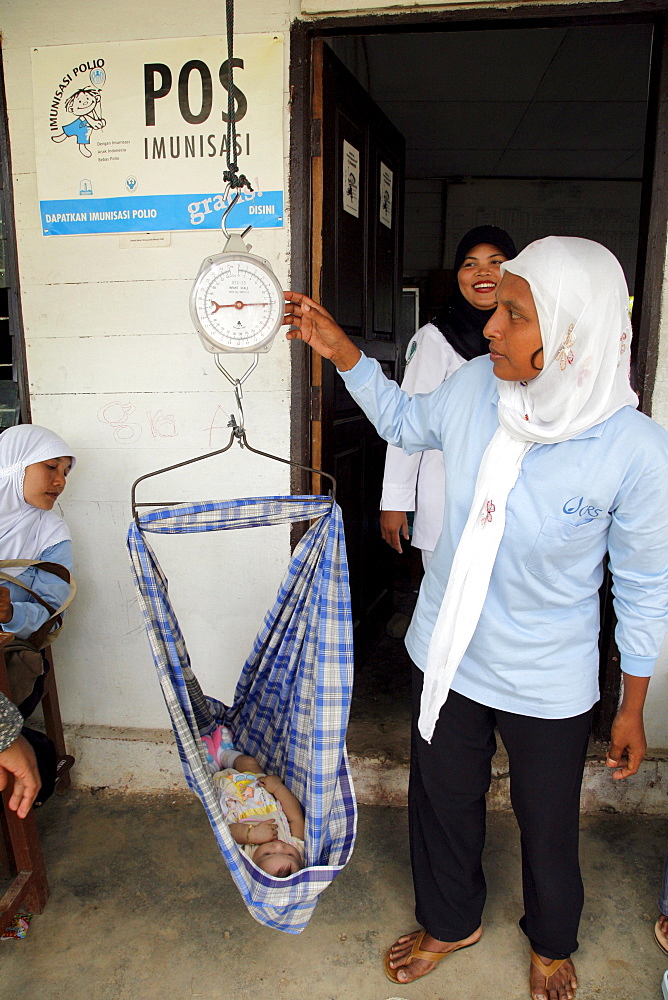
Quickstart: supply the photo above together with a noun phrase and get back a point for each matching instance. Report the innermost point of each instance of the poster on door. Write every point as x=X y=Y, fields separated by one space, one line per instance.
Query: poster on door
x=351 y=179
x=133 y=136
x=385 y=195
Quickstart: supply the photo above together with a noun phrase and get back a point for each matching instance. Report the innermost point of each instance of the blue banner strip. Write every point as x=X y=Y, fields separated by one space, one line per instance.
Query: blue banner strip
x=159 y=213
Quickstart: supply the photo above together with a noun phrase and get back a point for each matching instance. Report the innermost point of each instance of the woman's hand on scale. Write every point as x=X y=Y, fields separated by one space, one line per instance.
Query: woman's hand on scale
x=309 y=322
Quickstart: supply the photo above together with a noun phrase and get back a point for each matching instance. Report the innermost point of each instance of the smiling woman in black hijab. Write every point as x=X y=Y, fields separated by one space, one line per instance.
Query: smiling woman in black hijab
x=439 y=348
x=464 y=317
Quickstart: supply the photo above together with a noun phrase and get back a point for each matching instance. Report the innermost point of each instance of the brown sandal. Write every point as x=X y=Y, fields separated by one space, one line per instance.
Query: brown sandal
x=546 y=970
x=660 y=938
x=417 y=952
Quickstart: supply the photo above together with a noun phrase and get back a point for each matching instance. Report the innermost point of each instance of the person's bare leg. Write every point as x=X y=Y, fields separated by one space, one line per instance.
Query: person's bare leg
x=561 y=986
x=408 y=970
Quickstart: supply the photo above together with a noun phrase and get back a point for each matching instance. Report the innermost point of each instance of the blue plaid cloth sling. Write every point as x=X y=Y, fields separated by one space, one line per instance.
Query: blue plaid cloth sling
x=291 y=704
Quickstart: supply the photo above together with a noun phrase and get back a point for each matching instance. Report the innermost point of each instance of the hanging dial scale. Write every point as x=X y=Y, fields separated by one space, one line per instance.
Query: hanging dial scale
x=236 y=303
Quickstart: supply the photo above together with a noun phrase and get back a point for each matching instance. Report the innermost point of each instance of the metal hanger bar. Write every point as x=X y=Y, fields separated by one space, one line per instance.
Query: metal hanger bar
x=188 y=503
x=239 y=434
x=169 y=468
x=286 y=461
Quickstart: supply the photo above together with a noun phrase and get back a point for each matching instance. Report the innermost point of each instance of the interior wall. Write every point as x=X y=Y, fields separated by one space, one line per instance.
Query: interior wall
x=514 y=153
x=423 y=226
x=605 y=211
x=117 y=370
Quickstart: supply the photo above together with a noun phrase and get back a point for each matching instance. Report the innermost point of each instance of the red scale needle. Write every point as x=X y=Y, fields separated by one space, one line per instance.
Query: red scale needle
x=235 y=305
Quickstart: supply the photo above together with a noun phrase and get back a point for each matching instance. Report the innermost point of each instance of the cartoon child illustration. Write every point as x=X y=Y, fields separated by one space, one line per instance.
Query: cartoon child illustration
x=83 y=103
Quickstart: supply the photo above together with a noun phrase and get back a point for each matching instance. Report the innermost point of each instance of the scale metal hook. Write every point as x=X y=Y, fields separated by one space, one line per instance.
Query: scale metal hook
x=227 y=211
x=237 y=384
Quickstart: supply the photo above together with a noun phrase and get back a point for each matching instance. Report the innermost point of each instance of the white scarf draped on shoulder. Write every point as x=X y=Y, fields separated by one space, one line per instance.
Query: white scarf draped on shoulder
x=25 y=531
x=582 y=302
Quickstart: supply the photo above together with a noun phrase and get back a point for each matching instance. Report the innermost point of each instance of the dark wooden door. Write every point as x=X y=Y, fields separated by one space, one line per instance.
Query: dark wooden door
x=357 y=218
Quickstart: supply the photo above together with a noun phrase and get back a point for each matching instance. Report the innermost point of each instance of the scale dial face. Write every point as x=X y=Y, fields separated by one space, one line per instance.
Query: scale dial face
x=236 y=304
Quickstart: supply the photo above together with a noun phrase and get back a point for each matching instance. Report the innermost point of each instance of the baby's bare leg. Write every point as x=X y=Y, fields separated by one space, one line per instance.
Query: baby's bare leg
x=246 y=763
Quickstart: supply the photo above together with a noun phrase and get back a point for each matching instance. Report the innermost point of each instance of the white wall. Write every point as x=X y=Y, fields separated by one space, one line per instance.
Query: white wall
x=106 y=327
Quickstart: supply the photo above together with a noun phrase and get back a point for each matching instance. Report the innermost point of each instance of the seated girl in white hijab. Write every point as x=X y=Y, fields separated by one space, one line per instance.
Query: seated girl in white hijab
x=34 y=464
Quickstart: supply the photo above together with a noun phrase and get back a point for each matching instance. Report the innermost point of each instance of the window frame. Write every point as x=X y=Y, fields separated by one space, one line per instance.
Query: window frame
x=14 y=311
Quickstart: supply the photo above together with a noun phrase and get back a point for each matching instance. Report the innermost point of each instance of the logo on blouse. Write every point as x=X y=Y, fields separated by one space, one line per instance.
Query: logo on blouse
x=576 y=505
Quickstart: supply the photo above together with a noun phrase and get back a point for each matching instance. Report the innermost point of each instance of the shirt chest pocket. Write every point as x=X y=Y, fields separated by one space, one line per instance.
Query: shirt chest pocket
x=561 y=547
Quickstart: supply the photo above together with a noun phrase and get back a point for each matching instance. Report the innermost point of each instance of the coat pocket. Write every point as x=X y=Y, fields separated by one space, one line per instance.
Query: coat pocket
x=561 y=546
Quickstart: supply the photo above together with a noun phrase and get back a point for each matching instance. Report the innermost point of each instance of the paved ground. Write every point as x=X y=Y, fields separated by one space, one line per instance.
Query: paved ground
x=142 y=908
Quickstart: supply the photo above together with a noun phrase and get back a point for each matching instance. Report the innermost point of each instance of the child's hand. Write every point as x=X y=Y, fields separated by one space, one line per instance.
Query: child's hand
x=270 y=782
x=263 y=833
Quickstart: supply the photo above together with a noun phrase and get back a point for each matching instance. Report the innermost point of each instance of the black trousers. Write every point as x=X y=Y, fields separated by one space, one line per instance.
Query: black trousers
x=448 y=782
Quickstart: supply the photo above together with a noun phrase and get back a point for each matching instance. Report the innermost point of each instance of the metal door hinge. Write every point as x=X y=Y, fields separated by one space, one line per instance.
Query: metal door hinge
x=316 y=131
x=316 y=402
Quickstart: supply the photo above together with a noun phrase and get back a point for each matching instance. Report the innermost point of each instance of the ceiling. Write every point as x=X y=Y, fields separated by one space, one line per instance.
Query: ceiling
x=537 y=102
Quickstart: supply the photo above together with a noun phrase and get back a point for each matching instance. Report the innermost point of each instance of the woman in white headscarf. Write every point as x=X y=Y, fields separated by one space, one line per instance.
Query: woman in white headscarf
x=549 y=467
x=34 y=465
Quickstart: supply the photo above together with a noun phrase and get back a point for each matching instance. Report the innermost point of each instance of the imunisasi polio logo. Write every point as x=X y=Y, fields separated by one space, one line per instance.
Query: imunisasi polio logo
x=76 y=111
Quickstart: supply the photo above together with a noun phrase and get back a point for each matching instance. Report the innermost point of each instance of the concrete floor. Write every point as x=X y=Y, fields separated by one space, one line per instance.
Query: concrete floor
x=142 y=908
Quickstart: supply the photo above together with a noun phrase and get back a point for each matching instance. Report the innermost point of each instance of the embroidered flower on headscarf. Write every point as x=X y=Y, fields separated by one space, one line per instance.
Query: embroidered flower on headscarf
x=622 y=345
x=584 y=372
x=565 y=355
x=487 y=512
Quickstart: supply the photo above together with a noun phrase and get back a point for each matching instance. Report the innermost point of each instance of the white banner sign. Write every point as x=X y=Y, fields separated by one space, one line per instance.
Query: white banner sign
x=132 y=136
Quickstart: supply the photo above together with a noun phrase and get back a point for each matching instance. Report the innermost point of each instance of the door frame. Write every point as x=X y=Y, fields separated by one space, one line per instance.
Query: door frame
x=653 y=229
x=304 y=136
x=15 y=313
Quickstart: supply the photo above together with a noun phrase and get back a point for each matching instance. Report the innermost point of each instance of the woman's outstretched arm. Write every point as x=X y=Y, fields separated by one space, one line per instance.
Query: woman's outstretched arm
x=410 y=424
x=311 y=323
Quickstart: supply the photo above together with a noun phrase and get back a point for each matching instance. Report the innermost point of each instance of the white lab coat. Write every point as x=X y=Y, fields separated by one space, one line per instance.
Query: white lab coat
x=417 y=482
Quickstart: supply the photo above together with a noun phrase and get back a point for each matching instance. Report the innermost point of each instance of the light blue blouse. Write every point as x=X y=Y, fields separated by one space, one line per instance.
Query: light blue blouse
x=28 y=614
x=535 y=649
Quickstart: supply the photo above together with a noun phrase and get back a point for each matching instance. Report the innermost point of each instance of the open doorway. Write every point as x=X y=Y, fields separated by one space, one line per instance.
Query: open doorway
x=538 y=130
